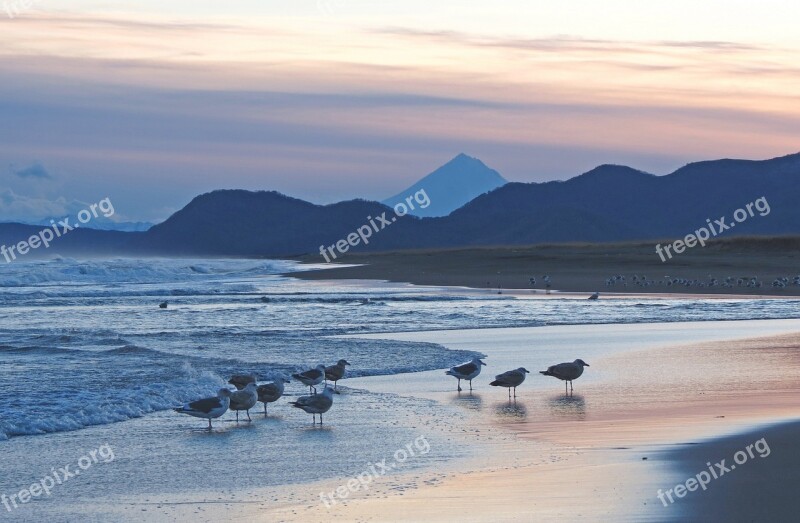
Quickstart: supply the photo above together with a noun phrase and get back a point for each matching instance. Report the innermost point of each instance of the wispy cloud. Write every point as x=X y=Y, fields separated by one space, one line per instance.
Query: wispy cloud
x=290 y=104
x=36 y=171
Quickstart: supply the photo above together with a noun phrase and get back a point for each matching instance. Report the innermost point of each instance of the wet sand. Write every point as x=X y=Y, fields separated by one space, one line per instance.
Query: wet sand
x=601 y=453
x=657 y=400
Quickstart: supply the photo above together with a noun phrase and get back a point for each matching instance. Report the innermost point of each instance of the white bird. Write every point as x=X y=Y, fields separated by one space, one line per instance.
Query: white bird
x=208 y=408
x=271 y=392
x=594 y=296
x=467 y=371
x=311 y=377
x=315 y=404
x=244 y=399
x=566 y=371
x=336 y=372
x=510 y=379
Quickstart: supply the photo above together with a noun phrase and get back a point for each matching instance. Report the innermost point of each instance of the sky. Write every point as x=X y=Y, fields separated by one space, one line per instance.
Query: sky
x=151 y=104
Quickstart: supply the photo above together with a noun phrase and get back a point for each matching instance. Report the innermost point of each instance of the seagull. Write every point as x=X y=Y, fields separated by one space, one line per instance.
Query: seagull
x=336 y=372
x=311 y=377
x=316 y=404
x=566 y=371
x=594 y=296
x=208 y=408
x=244 y=399
x=241 y=381
x=510 y=379
x=271 y=392
x=468 y=371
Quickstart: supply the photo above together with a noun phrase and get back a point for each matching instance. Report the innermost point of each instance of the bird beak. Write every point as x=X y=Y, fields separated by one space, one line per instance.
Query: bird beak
x=586 y=365
x=482 y=363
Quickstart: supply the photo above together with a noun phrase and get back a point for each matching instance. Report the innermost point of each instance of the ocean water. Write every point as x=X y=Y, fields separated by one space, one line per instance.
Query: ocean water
x=90 y=337
x=87 y=358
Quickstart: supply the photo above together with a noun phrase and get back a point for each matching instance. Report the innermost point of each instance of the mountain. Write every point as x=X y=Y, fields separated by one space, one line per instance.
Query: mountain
x=608 y=203
x=617 y=203
x=267 y=223
x=101 y=223
x=82 y=242
x=451 y=186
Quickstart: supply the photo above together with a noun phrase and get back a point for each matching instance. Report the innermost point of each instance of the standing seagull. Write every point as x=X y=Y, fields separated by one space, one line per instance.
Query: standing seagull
x=244 y=399
x=316 y=404
x=311 y=377
x=336 y=372
x=240 y=381
x=271 y=392
x=468 y=371
x=510 y=379
x=566 y=371
x=208 y=408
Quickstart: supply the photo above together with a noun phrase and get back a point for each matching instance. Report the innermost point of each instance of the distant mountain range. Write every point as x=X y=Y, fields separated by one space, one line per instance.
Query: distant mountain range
x=451 y=186
x=101 y=223
x=608 y=203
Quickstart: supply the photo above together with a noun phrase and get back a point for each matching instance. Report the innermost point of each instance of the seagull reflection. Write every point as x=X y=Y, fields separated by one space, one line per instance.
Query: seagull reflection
x=568 y=406
x=511 y=411
x=470 y=401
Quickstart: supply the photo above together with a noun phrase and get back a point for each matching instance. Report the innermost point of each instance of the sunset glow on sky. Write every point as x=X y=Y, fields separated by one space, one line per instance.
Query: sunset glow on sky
x=334 y=99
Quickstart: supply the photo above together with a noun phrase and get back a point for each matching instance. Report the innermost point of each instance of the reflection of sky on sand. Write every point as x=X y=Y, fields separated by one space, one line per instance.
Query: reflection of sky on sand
x=511 y=410
x=468 y=400
x=572 y=406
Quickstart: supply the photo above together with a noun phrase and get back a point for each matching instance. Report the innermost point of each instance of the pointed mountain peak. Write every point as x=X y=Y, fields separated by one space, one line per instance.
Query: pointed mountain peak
x=452 y=185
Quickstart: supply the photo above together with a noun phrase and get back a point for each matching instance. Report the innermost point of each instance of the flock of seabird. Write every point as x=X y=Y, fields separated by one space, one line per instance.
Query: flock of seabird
x=730 y=282
x=512 y=379
x=248 y=392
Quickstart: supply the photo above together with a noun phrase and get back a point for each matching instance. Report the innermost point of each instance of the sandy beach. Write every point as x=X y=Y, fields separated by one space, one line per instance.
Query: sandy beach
x=657 y=403
x=580 y=268
x=400 y=444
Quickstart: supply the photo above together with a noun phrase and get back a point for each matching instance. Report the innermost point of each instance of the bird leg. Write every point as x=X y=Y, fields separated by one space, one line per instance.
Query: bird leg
x=265 y=410
x=459 y=384
x=320 y=420
x=515 y=392
x=470 y=385
x=248 y=415
x=237 y=416
x=209 y=423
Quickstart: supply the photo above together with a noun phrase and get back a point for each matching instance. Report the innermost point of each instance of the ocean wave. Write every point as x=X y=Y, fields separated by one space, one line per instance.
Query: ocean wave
x=78 y=409
x=134 y=271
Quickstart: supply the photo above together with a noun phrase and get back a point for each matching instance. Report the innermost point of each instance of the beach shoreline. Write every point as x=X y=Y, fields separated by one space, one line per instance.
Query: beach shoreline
x=564 y=453
x=578 y=268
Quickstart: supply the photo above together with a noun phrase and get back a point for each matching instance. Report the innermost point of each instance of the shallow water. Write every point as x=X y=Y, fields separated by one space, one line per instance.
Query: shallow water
x=87 y=358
